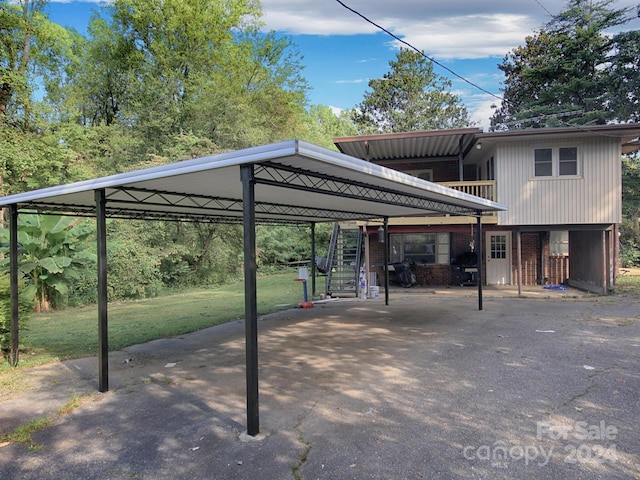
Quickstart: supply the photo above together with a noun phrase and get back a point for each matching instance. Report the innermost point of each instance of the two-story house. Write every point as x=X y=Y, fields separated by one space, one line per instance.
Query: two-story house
x=562 y=187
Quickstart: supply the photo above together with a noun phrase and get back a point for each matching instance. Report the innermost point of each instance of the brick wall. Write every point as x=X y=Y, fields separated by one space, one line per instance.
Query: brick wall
x=432 y=274
x=530 y=245
x=554 y=270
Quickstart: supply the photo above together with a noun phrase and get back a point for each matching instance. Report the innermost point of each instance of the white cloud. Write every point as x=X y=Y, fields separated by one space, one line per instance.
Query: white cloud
x=354 y=81
x=454 y=29
x=481 y=109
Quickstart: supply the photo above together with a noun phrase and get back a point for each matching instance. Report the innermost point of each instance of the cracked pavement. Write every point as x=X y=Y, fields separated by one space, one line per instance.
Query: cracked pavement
x=427 y=387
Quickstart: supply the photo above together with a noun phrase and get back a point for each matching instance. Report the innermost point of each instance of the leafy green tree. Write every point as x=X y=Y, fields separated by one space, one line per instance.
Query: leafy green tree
x=98 y=82
x=54 y=248
x=409 y=97
x=562 y=74
x=623 y=73
x=175 y=68
x=630 y=228
x=30 y=160
x=322 y=125
x=279 y=245
x=32 y=49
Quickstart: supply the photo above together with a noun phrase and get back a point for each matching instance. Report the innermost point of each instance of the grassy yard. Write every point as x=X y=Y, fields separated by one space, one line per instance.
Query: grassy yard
x=628 y=281
x=73 y=333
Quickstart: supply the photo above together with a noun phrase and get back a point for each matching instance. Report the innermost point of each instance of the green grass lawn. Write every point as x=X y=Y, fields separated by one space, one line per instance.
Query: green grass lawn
x=628 y=282
x=73 y=333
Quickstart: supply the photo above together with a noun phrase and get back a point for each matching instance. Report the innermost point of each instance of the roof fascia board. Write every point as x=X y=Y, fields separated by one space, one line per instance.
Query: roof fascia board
x=617 y=130
x=417 y=134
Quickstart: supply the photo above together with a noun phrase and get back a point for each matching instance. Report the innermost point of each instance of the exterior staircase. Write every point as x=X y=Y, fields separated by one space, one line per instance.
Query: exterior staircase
x=344 y=259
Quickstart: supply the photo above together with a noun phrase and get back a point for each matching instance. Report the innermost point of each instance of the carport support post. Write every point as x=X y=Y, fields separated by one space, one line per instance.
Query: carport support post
x=103 y=324
x=13 y=279
x=250 y=302
x=313 y=259
x=386 y=260
x=479 y=254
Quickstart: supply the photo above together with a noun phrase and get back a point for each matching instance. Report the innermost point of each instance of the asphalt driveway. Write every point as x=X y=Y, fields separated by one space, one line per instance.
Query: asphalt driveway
x=428 y=387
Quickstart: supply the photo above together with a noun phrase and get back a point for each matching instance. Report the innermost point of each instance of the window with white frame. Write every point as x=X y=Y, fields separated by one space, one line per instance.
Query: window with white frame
x=555 y=161
x=419 y=248
x=559 y=243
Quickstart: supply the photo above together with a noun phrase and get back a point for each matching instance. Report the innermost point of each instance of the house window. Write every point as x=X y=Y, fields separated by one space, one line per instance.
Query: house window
x=555 y=162
x=559 y=243
x=543 y=160
x=568 y=161
x=420 y=248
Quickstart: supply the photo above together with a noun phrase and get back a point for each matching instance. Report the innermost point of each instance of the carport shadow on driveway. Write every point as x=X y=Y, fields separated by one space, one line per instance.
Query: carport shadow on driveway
x=427 y=387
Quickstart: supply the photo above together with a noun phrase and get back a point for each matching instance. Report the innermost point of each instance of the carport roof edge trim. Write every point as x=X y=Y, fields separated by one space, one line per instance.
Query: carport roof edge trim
x=266 y=153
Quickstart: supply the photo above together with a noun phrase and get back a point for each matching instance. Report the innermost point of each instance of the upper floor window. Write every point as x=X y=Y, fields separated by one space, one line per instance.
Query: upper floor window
x=557 y=161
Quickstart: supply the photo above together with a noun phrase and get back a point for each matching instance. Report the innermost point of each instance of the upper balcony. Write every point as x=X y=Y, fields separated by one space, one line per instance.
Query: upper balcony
x=479 y=188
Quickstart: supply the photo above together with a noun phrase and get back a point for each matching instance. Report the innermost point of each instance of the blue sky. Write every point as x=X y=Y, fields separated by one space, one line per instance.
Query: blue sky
x=342 y=52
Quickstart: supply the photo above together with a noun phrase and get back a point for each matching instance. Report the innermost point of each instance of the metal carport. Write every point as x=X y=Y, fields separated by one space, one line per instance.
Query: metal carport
x=287 y=182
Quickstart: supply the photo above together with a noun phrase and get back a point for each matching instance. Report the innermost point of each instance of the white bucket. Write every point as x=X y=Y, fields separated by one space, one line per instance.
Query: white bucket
x=374 y=292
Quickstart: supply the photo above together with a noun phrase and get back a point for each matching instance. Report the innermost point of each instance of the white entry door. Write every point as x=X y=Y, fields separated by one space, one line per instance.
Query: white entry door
x=498 y=258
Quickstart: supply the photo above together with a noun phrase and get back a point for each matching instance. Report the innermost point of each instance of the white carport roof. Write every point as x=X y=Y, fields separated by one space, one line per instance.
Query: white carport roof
x=294 y=182
x=289 y=182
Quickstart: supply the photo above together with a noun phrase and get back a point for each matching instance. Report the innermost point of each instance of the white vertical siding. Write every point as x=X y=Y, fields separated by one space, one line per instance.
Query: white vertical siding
x=593 y=197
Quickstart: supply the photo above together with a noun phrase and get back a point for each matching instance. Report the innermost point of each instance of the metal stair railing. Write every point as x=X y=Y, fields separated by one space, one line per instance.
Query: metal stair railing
x=344 y=261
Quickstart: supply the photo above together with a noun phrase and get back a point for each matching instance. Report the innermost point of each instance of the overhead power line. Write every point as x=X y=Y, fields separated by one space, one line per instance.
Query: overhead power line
x=544 y=8
x=557 y=116
x=419 y=51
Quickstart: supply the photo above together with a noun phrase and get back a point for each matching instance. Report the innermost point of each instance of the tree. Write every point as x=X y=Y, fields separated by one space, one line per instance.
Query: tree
x=322 y=125
x=561 y=75
x=31 y=50
x=203 y=68
x=630 y=227
x=623 y=73
x=53 y=249
x=409 y=97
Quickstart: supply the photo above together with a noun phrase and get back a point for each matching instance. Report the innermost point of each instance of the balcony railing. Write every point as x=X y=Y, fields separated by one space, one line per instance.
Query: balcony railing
x=479 y=188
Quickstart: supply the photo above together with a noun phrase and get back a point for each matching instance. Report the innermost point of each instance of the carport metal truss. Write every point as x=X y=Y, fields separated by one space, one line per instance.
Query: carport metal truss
x=145 y=204
x=218 y=207
x=295 y=178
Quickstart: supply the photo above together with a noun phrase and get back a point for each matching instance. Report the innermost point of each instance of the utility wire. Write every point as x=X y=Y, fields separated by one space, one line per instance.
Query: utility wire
x=419 y=51
x=540 y=117
x=544 y=8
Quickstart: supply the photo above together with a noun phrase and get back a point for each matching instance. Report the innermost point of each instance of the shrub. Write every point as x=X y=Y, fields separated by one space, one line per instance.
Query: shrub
x=25 y=305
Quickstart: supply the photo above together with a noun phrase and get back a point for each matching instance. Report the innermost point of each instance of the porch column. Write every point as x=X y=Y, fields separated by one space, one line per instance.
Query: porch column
x=13 y=279
x=460 y=161
x=479 y=253
x=103 y=324
x=250 y=298
x=519 y=253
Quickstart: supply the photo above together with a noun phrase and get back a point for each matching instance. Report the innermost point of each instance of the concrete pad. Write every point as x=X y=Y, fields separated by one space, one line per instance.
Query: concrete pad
x=427 y=387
